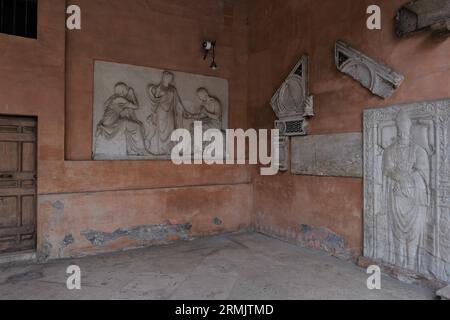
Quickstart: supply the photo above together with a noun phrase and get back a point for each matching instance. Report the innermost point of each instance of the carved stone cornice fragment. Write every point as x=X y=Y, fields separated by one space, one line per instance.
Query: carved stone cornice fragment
x=292 y=102
x=372 y=74
x=421 y=15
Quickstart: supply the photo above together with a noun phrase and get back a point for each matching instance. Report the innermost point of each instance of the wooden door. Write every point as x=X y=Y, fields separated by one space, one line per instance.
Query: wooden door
x=17 y=184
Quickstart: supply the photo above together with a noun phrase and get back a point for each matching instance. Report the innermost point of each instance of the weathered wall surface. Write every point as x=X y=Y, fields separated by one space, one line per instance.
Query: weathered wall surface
x=104 y=196
x=96 y=222
x=94 y=206
x=329 y=155
x=158 y=34
x=306 y=207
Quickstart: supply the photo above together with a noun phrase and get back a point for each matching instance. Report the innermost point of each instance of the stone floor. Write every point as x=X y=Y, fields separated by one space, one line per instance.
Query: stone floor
x=235 y=266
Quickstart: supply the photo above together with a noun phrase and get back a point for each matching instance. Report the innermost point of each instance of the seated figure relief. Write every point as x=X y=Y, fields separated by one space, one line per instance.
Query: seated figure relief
x=210 y=115
x=210 y=111
x=144 y=128
x=120 y=118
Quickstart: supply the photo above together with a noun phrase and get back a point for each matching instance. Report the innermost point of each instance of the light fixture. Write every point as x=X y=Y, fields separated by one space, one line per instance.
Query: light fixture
x=214 y=65
x=210 y=46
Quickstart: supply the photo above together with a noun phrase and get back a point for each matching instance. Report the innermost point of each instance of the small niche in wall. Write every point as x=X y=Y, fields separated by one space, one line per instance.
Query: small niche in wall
x=19 y=18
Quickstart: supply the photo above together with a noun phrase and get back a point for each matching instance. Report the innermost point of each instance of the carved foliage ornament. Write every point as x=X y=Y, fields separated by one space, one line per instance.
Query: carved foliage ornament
x=292 y=102
x=373 y=75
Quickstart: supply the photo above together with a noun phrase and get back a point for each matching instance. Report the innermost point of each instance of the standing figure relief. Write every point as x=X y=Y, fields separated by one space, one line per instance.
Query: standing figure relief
x=166 y=114
x=406 y=186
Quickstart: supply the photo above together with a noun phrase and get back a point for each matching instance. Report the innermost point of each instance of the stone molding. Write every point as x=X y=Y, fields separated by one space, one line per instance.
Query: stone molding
x=292 y=102
x=419 y=15
x=373 y=75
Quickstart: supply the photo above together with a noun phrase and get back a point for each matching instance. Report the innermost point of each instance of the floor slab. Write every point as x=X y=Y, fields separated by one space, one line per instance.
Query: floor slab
x=234 y=266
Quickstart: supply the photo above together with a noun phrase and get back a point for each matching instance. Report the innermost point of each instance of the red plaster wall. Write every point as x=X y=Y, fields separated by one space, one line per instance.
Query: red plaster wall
x=106 y=195
x=103 y=195
x=153 y=33
x=73 y=214
x=280 y=32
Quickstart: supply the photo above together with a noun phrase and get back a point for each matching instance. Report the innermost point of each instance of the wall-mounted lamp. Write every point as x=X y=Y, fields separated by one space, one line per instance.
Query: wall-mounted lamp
x=210 y=46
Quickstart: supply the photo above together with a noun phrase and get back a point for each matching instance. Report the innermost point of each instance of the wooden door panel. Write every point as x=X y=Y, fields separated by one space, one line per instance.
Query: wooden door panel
x=28 y=210
x=17 y=184
x=9 y=156
x=8 y=208
x=16 y=191
x=9 y=129
x=9 y=184
x=28 y=184
x=12 y=245
x=28 y=157
x=12 y=137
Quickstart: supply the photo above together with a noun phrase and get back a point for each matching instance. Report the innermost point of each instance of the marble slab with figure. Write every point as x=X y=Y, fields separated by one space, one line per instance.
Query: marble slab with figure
x=136 y=109
x=407 y=187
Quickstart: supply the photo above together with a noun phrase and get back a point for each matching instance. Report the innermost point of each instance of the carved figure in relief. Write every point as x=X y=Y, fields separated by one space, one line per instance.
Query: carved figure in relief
x=119 y=118
x=406 y=185
x=210 y=111
x=166 y=114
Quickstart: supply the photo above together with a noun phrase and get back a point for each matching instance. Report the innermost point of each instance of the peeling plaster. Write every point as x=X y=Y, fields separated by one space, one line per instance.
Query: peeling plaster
x=58 y=211
x=58 y=205
x=323 y=239
x=46 y=251
x=67 y=241
x=312 y=237
x=160 y=232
